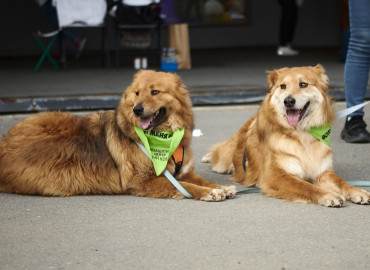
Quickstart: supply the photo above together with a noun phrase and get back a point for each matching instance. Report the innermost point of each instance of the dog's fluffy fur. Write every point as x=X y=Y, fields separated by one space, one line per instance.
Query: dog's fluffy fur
x=60 y=154
x=281 y=157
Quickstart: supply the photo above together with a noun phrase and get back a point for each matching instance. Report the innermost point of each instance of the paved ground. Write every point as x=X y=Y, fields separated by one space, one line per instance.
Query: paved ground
x=218 y=76
x=212 y=70
x=248 y=232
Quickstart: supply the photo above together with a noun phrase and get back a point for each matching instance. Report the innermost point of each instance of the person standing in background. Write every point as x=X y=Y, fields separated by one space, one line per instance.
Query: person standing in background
x=356 y=70
x=52 y=18
x=289 y=15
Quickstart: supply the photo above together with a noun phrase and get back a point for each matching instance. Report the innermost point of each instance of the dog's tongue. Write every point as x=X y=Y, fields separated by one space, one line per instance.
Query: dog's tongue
x=145 y=122
x=293 y=117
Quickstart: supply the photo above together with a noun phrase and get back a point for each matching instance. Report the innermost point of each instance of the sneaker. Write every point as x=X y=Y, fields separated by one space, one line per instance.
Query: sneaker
x=80 y=45
x=354 y=130
x=286 y=51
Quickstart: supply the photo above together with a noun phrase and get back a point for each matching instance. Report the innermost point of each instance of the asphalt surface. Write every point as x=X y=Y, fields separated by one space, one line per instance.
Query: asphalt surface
x=248 y=232
x=213 y=70
x=218 y=76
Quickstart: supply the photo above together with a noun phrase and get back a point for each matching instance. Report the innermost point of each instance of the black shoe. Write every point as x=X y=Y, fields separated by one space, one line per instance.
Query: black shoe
x=354 y=131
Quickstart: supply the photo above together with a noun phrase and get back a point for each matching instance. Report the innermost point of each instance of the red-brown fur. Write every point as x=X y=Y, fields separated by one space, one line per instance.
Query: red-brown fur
x=286 y=161
x=60 y=154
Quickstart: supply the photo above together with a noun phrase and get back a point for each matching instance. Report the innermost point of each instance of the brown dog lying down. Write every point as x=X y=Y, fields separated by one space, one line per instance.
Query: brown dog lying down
x=60 y=154
x=279 y=154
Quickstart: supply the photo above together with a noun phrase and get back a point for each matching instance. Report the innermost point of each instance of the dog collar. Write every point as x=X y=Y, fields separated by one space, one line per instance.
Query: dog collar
x=160 y=146
x=322 y=133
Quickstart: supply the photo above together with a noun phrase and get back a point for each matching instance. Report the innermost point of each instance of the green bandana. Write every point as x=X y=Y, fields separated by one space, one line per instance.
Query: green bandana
x=322 y=133
x=160 y=145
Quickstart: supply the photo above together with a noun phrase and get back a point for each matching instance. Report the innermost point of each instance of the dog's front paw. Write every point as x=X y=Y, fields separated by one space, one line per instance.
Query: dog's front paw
x=332 y=200
x=230 y=191
x=215 y=195
x=359 y=196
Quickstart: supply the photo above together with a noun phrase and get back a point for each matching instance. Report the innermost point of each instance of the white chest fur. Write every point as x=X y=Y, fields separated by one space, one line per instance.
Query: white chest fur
x=305 y=157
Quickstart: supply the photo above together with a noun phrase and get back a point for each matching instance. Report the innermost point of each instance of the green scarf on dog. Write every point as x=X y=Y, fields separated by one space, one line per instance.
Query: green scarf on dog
x=322 y=133
x=160 y=145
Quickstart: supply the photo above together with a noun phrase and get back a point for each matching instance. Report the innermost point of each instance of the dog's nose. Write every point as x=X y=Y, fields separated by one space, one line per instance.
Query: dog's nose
x=289 y=102
x=138 y=109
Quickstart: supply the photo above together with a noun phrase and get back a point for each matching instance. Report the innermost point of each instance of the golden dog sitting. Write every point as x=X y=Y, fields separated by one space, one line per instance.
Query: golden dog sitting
x=275 y=151
x=60 y=154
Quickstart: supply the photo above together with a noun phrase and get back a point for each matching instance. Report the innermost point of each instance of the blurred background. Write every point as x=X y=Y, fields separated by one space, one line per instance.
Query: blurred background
x=231 y=44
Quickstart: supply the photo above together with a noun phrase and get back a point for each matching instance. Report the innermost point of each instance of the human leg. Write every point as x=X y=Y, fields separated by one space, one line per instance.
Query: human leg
x=356 y=71
x=288 y=21
x=287 y=27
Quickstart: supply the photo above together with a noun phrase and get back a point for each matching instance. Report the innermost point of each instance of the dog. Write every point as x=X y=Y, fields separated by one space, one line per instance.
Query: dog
x=274 y=150
x=61 y=154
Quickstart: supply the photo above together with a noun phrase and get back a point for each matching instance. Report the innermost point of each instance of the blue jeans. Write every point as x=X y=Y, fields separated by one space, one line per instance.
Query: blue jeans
x=356 y=70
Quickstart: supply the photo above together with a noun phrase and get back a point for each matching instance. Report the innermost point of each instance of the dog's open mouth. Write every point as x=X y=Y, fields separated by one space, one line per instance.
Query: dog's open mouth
x=296 y=115
x=153 y=120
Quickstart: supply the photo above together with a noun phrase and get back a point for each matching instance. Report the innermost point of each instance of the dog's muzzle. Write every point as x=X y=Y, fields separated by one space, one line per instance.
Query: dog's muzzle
x=138 y=109
x=294 y=115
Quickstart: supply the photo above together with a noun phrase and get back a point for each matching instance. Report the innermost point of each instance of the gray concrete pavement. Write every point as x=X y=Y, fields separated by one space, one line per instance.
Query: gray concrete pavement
x=213 y=70
x=218 y=76
x=248 y=232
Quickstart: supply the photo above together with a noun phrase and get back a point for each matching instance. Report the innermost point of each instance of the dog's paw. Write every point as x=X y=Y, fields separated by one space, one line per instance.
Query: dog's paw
x=332 y=200
x=359 y=196
x=230 y=191
x=215 y=195
x=178 y=196
x=207 y=158
x=222 y=169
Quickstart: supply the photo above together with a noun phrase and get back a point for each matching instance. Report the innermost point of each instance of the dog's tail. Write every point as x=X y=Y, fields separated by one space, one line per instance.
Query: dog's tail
x=221 y=157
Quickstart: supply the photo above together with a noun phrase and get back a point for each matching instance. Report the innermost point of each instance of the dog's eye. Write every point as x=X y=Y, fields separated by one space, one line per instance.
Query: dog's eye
x=283 y=86
x=303 y=85
x=155 y=92
x=137 y=93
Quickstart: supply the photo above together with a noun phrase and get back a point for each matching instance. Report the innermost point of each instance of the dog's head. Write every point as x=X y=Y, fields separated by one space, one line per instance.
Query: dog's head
x=299 y=96
x=157 y=101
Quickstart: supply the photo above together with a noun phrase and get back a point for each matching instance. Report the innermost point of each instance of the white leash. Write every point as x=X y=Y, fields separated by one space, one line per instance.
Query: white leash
x=350 y=110
x=168 y=175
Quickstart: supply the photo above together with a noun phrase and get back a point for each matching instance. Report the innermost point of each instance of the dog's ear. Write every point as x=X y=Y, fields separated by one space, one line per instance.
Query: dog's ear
x=323 y=78
x=319 y=68
x=180 y=84
x=271 y=79
x=182 y=92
